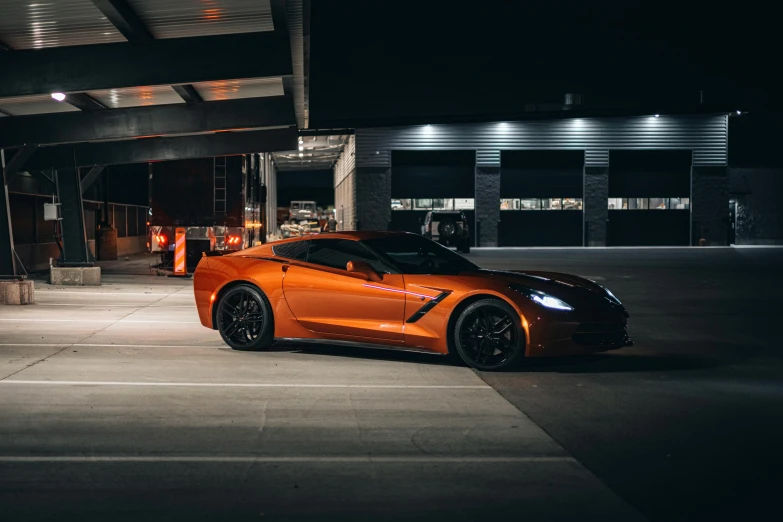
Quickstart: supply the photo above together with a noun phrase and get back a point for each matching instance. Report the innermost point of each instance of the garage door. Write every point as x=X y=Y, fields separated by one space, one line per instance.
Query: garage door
x=541 y=198
x=649 y=198
x=431 y=180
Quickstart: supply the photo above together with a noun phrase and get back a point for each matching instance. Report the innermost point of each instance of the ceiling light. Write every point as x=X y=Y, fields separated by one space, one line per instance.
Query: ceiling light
x=657 y=115
x=300 y=154
x=301 y=140
x=301 y=147
x=739 y=112
x=58 y=96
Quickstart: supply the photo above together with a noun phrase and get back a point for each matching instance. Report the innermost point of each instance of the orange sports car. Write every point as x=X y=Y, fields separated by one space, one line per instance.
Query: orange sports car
x=400 y=290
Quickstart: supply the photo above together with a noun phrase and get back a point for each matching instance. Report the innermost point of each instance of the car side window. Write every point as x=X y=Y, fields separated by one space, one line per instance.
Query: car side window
x=335 y=253
x=296 y=250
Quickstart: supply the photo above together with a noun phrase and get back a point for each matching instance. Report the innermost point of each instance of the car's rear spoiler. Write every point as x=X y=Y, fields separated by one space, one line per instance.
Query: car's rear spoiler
x=213 y=253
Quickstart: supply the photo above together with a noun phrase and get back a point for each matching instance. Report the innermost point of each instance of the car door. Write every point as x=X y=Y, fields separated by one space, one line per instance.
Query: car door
x=326 y=298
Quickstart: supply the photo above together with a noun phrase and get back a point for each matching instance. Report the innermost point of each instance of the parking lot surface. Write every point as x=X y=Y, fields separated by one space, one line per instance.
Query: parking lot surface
x=117 y=403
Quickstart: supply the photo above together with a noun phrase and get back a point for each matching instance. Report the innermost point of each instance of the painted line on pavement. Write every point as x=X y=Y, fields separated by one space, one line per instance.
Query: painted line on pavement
x=117 y=321
x=88 y=345
x=264 y=459
x=56 y=292
x=249 y=385
x=105 y=306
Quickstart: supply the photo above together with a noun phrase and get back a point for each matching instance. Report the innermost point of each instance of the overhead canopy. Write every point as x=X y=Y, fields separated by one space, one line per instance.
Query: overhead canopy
x=141 y=68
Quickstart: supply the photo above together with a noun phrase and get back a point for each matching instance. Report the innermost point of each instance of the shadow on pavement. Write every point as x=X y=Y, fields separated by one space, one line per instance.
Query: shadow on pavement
x=362 y=353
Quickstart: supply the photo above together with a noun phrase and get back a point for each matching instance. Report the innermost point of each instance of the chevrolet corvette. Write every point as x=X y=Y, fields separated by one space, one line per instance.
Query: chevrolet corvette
x=402 y=291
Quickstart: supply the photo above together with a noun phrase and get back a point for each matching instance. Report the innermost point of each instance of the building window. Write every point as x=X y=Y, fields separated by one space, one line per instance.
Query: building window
x=433 y=204
x=541 y=204
x=649 y=203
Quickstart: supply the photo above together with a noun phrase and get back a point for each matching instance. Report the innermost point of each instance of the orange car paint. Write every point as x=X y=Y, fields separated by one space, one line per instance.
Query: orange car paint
x=315 y=302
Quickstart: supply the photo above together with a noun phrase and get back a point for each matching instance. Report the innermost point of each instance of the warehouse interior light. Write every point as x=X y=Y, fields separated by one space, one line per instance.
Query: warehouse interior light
x=58 y=96
x=301 y=147
x=301 y=155
x=657 y=115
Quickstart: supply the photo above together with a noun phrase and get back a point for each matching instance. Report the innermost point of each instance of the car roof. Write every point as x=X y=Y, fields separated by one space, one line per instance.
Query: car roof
x=266 y=248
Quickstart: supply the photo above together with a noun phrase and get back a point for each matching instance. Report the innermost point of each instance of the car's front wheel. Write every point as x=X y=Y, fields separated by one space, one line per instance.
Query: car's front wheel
x=488 y=335
x=244 y=319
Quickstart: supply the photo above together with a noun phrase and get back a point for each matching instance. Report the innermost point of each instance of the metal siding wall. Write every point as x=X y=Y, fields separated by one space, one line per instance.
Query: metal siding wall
x=706 y=135
x=269 y=177
x=345 y=186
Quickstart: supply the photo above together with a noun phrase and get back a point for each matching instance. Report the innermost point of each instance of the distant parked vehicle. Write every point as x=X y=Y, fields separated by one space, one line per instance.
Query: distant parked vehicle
x=447 y=227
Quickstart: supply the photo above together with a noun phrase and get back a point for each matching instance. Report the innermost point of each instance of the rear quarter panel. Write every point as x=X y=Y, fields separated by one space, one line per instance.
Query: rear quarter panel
x=214 y=274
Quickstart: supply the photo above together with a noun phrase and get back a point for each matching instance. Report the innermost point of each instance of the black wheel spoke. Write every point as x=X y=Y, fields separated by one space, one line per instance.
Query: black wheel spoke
x=232 y=328
x=254 y=317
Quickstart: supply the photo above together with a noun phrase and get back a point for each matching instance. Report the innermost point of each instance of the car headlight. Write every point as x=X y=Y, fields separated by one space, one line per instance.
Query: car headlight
x=612 y=297
x=542 y=298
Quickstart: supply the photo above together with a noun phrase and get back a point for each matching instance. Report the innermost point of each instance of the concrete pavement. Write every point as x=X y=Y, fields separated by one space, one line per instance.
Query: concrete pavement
x=117 y=404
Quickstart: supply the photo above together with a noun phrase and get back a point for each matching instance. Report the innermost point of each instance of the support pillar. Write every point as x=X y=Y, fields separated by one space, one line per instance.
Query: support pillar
x=709 y=205
x=373 y=198
x=596 y=213
x=7 y=258
x=69 y=193
x=487 y=206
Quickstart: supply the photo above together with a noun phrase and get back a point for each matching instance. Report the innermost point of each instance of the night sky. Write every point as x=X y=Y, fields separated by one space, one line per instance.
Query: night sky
x=376 y=63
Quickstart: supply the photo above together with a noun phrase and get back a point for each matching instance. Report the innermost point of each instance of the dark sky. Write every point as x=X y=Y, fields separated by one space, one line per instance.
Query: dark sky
x=380 y=62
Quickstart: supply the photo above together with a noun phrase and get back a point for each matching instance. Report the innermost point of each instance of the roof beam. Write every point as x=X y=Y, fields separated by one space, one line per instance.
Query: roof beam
x=279 y=15
x=19 y=160
x=159 y=62
x=91 y=176
x=124 y=18
x=72 y=127
x=162 y=149
x=188 y=93
x=84 y=102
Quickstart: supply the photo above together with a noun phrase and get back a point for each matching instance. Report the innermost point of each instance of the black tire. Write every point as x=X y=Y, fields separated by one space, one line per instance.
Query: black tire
x=501 y=350
x=244 y=319
x=447 y=229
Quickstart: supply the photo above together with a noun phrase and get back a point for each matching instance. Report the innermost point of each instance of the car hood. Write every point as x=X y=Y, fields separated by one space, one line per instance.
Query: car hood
x=576 y=291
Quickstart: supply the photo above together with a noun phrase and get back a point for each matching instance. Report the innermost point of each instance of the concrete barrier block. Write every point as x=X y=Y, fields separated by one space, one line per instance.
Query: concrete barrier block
x=17 y=292
x=75 y=276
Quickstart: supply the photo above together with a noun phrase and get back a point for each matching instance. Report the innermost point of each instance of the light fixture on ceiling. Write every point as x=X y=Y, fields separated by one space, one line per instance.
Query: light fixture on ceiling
x=301 y=147
x=300 y=154
x=58 y=96
x=657 y=115
x=739 y=112
x=301 y=140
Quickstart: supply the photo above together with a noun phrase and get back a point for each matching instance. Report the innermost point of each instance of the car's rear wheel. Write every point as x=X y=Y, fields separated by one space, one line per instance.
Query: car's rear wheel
x=488 y=335
x=244 y=319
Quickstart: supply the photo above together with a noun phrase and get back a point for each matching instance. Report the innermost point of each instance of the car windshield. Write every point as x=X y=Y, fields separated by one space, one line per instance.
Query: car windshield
x=413 y=254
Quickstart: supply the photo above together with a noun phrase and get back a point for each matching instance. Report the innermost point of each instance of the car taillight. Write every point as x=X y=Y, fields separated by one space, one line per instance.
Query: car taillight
x=161 y=239
x=233 y=240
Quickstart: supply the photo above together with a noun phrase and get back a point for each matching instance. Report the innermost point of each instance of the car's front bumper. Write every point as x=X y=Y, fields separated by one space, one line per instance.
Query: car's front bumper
x=549 y=339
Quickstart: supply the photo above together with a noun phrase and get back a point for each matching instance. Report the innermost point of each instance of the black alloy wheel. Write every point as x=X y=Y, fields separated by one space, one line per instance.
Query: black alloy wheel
x=244 y=319
x=488 y=335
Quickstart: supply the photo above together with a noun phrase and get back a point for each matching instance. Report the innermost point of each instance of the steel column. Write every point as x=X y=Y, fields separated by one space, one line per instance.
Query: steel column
x=7 y=258
x=69 y=193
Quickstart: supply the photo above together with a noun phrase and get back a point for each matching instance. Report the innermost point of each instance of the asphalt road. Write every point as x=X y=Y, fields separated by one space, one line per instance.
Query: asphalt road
x=116 y=404
x=688 y=423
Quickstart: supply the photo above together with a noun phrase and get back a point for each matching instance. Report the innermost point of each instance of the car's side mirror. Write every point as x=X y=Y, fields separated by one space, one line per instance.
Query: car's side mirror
x=365 y=269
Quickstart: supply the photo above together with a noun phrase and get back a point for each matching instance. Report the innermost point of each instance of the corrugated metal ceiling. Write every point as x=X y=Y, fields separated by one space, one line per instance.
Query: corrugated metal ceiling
x=236 y=89
x=319 y=152
x=185 y=18
x=137 y=96
x=38 y=104
x=30 y=24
